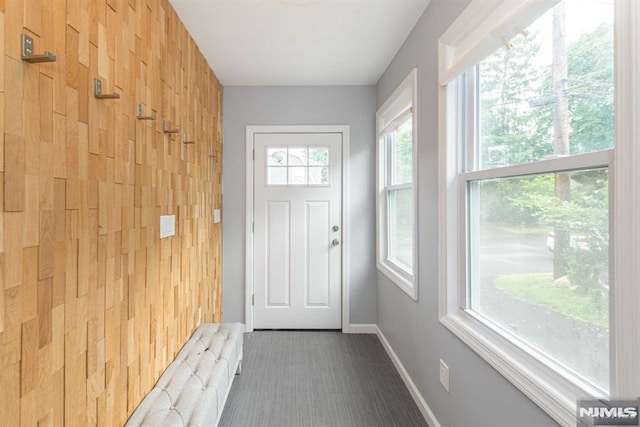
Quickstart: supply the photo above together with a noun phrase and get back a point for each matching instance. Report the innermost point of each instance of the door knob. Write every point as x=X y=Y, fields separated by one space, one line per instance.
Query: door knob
x=335 y=228
x=335 y=242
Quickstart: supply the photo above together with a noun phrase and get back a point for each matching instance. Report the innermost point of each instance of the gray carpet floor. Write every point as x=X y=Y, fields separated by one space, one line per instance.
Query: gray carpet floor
x=317 y=378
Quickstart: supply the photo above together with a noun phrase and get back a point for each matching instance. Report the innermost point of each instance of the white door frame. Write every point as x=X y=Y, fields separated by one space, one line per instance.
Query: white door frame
x=249 y=210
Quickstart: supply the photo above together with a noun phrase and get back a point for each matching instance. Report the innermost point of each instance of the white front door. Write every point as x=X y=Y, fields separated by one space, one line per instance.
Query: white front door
x=298 y=230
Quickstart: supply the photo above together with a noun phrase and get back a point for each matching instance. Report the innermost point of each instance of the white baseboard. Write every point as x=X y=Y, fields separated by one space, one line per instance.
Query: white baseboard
x=362 y=328
x=417 y=397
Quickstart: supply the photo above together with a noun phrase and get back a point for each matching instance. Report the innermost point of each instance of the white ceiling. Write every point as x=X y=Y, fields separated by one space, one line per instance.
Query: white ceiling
x=299 y=42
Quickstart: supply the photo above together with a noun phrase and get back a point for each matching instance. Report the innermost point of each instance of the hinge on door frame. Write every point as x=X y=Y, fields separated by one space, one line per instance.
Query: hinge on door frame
x=253 y=155
x=253 y=299
x=253 y=227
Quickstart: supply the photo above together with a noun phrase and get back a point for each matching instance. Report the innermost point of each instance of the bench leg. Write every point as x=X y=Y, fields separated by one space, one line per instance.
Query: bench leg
x=239 y=370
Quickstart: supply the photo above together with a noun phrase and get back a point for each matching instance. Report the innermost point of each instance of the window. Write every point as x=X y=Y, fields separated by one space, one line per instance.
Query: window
x=298 y=166
x=396 y=187
x=528 y=138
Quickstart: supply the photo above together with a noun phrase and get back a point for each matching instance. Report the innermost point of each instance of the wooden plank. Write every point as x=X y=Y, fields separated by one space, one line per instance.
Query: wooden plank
x=59 y=23
x=72 y=153
x=59 y=156
x=11 y=338
x=31 y=228
x=29 y=284
x=72 y=52
x=46 y=108
x=2 y=115
x=45 y=177
x=45 y=312
x=47 y=244
x=33 y=16
x=2 y=302
x=73 y=14
x=10 y=396
x=2 y=51
x=14 y=175
x=29 y=358
x=14 y=20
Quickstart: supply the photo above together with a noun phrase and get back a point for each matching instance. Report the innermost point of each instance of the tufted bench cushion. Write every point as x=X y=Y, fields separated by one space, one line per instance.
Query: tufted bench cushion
x=193 y=390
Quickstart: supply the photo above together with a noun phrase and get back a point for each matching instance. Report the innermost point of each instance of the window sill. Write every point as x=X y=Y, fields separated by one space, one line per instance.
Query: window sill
x=399 y=279
x=556 y=395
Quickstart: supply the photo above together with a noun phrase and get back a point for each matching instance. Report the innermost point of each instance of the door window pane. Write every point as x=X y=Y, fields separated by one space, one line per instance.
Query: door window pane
x=298 y=166
x=318 y=155
x=277 y=156
x=276 y=175
x=318 y=175
x=298 y=156
x=297 y=176
x=539 y=264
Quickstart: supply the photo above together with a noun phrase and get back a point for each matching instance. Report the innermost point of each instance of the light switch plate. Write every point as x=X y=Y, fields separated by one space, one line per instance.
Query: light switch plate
x=216 y=216
x=167 y=226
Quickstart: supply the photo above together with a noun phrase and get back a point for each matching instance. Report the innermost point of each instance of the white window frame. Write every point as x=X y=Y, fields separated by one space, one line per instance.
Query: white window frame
x=478 y=31
x=402 y=102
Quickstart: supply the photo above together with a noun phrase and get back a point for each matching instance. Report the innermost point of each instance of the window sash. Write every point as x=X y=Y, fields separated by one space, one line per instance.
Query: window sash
x=482 y=28
x=390 y=159
x=391 y=237
x=394 y=123
x=554 y=394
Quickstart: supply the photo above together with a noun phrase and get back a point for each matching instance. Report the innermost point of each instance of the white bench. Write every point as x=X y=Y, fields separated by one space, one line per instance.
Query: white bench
x=192 y=391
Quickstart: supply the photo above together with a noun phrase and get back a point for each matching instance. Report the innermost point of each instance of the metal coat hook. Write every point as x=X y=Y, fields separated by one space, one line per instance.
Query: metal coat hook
x=139 y=115
x=28 y=55
x=184 y=139
x=100 y=95
x=165 y=128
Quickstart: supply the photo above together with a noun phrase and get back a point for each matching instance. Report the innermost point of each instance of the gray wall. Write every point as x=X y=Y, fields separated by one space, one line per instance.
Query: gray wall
x=340 y=105
x=479 y=395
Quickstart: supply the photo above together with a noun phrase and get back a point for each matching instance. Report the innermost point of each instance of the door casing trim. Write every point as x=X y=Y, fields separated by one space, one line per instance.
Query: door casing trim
x=249 y=211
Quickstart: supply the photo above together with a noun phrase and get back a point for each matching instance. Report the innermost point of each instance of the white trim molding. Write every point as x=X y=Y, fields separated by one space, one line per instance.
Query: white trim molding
x=424 y=408
x=249 y=211
x=402 y=104
x=625 y=332
x=361 y=328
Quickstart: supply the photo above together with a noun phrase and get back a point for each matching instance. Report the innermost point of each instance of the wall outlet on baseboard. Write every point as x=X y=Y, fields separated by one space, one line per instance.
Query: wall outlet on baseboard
x=444 y=375
x=216 y=216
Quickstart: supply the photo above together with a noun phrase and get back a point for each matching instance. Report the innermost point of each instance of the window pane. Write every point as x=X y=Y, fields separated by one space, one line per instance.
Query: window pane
x=401 y=154
x=552 y=93
x=401 y=228
x=297 y=175
x=276 y=175
x=297 y=156
x=318 y=156
x=318 y=175
x=539 y=251
x=277 y=156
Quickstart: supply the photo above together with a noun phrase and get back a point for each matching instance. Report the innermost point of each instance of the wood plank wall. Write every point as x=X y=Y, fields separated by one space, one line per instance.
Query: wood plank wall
x=93 y=305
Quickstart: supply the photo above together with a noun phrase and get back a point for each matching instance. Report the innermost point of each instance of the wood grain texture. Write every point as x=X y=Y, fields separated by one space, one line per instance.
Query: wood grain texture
x=93 y=305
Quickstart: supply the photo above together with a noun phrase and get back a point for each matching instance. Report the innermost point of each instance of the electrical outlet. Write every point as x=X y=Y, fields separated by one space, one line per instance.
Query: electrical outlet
x=444 y=375
x=216 y=216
